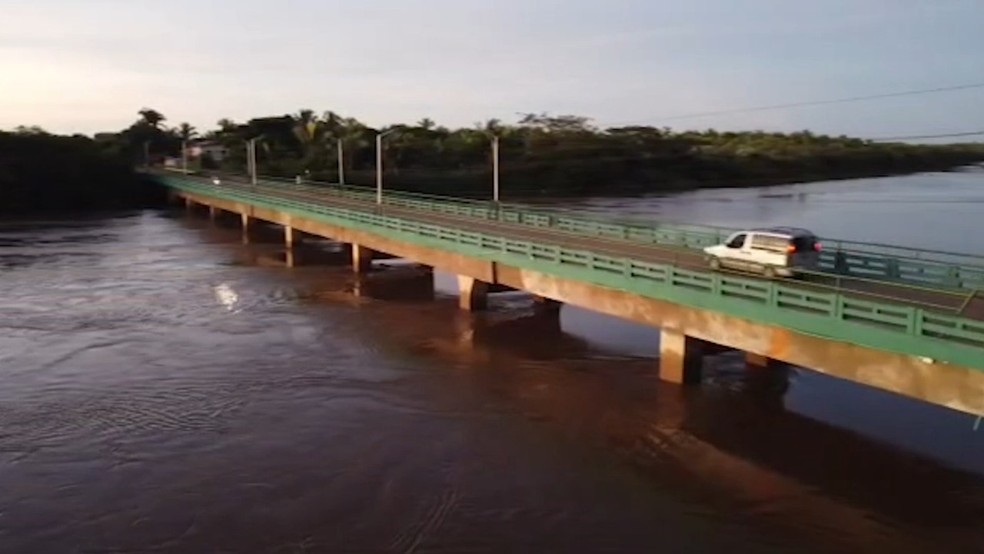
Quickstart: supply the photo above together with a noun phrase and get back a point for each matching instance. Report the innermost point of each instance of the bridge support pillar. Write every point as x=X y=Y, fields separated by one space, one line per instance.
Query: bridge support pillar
x=473 y=294
x=362 y=258
x=290 y=237
x=758 y=360
x=546 y=306
x=213 y=212
x=189 y=203
x=680 y=357
x=246 y=226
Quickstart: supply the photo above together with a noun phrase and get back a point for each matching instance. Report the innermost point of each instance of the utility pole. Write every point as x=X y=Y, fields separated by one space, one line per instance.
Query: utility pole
x=184 y=157
x=341 y=163
x=379 y=164
x=251 y=152
x=249 y=160
x=379 y=168
x=495 y=168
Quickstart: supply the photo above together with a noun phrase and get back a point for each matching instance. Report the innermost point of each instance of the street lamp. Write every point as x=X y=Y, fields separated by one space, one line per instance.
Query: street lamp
x=495 y=169
x=379 y=164
x=251 y=159
x=341 y=163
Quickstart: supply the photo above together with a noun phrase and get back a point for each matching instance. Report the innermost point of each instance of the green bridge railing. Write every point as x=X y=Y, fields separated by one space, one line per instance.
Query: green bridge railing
x=894 y=327
x=919 y=267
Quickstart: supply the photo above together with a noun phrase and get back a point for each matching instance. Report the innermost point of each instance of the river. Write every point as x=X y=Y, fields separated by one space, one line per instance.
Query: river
x=167 y=388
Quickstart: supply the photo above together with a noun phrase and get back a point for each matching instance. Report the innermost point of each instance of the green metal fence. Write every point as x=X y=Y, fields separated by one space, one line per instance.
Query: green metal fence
x=918 y=267
x=894 y=327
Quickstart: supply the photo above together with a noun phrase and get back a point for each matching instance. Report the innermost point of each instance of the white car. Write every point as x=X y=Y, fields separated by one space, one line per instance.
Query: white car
x=770 y=252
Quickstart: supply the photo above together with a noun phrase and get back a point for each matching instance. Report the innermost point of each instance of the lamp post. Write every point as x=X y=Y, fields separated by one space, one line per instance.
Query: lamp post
x=341 y=163
x=379 y=164
x=251 y=159
x=495 y=169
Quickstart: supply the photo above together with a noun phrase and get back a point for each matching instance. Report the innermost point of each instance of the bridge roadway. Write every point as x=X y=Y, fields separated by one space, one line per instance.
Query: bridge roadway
x=882 y=291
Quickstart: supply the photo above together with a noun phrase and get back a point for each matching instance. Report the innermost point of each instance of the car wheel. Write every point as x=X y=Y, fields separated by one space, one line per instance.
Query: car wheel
x=714 y=263
x=769 y=272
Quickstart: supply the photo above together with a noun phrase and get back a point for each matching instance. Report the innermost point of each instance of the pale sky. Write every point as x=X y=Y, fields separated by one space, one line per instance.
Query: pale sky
x=89 y=65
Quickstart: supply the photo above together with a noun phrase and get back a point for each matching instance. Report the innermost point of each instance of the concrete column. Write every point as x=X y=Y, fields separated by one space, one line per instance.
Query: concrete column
x=361 y=258
x=212 y=212
x=680 y=357
x=474 y=294
x=189 y=204
x=246 y=225
x=289 y=237
x=757 y=360
x=546 y=306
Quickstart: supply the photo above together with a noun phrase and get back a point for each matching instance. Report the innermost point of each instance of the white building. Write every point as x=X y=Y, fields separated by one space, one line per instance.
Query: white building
x=213 y=150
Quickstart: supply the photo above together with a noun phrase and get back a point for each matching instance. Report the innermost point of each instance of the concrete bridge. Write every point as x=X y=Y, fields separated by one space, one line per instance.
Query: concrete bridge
x=888 y=317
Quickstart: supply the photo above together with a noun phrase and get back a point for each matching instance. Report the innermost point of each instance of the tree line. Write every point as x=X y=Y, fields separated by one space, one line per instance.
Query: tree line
x=41 y=172
x=539 y=154
x=546 y=154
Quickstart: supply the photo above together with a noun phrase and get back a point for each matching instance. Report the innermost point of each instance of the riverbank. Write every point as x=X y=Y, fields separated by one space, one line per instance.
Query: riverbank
x=50 y=174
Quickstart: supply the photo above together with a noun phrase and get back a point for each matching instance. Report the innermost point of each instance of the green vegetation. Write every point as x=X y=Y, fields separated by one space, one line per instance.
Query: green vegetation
x=540 y=154
x=564 y=155
x=44 y=172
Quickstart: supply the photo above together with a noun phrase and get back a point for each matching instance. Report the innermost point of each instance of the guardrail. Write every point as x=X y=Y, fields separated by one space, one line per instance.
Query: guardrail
x=898 y=328
x=839 y=258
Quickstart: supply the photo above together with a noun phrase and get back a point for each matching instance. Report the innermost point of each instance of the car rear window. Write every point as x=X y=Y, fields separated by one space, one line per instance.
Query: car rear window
x=804 y=243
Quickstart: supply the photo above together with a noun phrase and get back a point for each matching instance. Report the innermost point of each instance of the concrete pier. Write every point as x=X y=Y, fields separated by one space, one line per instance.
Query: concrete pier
x=757 y=360
x=680 y=357
x=289 y=237
x=546 y=306
x=362 y=257
x=247 y=223
x=473 y=293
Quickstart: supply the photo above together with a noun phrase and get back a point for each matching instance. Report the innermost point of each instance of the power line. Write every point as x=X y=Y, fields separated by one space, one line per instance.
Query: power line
x=816 y=102
x=917 y=137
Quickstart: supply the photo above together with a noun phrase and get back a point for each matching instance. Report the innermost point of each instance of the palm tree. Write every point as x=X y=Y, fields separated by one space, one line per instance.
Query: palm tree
x=226 y=124
x=152 y=117
x=356 y=137
x=186 y=131
x=308 y=130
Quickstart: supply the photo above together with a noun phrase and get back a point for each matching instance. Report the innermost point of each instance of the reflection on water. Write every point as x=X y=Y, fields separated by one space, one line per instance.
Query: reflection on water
x=168 y=388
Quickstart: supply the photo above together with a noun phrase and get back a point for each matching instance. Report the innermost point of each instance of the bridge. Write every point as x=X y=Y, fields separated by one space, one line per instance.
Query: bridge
x=900 y=319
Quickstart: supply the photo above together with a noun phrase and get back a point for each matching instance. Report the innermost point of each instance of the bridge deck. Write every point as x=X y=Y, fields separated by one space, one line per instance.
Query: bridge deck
x=881 y=291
